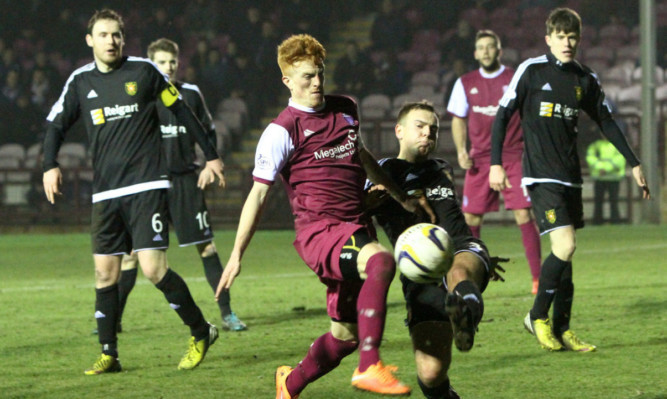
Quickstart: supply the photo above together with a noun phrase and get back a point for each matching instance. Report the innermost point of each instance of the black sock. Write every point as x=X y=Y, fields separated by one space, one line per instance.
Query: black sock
x=470 y=293
x=427 y=295
x=213 y=271
x=127 y=280
x=439 y=392
x=563 y=302
x=550 y=276
x=106 y=315
x=177 y=293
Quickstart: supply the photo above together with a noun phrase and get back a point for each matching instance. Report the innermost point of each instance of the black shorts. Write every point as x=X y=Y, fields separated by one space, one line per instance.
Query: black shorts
x=350 y=252
x=556 y=205
x=424 y=302
x=132 y=222
x=188 y=212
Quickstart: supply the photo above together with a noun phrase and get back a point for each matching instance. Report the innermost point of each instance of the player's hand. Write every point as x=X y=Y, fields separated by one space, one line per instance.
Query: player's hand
x=52 y=181
x=213 y=169
x=498 y=180
x=495 y=268
x=417 y=203
x=375 y=196
x=232 y=269
x=464 y=160
x=638 y=174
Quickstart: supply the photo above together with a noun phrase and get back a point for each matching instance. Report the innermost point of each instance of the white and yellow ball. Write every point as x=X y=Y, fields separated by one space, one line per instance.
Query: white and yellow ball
x=424 y=253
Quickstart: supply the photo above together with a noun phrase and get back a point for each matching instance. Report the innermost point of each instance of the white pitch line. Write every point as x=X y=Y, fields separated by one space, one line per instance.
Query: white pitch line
x=310 y=274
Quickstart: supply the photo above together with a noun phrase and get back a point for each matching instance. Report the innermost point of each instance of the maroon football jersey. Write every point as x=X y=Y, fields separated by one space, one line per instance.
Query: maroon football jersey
x=315 y=151
x=476 y=96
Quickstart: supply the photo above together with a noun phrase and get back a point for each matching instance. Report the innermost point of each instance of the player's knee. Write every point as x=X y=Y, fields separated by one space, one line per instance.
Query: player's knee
x=105 y=277
x=206 y=249
x=431 y=372
x=564 y=250
x=346 y=332
x=381 y=266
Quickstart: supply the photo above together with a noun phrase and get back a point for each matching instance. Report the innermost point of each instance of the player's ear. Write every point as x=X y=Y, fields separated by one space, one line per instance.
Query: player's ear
x=89 y=40
x=287 y=82
x=398 y=130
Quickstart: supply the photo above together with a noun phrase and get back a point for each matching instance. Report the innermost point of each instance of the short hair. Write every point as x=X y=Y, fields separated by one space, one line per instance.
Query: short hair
x=106 y=14
x=162 y=44
x=488 y=33
x=299 y=48
x=416 y=105
x=564 y=20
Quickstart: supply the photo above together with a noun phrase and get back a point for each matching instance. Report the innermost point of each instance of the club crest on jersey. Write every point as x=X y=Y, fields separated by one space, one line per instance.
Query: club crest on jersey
x=578 y=92
x=131 y=88
x=551 y=216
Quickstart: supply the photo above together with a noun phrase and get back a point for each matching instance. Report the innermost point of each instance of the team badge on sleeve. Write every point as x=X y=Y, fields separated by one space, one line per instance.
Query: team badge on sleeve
x=131 y=88
x=578 y=92
x=551 y=215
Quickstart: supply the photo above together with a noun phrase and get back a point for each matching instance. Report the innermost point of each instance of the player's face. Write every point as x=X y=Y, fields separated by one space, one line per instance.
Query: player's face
x=305 y=81
x=487 y=53
x=563 y=45
x=107 y=43
x=167 y=63
x=417 y=135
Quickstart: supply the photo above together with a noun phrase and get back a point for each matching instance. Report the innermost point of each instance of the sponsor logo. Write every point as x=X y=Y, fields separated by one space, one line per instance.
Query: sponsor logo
x=92 y=94
x=99 y=315
x=411 y=176
x=174 y=306
x=474 y=91
x=547 y=87
x=157 y=237
x=489 y=110
x=308 y=132
x=439 y=193
x=102 y=115
x=556 y=110
x=263 y=162
x=340 y=151
x=578 y=92
x=171 y=131
x=131 y=88
x=551 y=216
x=345 y=255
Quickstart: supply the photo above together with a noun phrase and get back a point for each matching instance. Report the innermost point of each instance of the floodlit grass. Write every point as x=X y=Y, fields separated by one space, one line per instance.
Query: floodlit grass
x=47 y=305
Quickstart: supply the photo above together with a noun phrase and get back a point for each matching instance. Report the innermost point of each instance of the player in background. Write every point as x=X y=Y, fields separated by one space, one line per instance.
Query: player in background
x=473 y=105
x=117 y=96
x=314 y=145
x=437 y=313
x=187 y=206
x=549 y=91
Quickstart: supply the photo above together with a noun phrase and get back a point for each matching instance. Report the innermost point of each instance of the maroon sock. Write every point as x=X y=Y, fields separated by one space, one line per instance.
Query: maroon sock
x=372 y=307
x=323 y=356
x=531 y=244
x=475 y=230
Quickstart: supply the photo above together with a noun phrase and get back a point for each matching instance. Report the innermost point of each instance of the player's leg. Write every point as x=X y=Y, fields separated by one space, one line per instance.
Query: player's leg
x=110 y=240
x=150 y=238
x=324 y=355
x=213 y=271
x=613 y=189
x=478 y=198
x=189 y=216
x=126 y=282
x=530 y=238
x=598 y=201
x=464 y=304
x=432 y=345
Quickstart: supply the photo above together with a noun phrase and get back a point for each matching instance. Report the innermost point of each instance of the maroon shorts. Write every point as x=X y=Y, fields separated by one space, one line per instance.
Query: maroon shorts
x=319 y=245
x=479 y=198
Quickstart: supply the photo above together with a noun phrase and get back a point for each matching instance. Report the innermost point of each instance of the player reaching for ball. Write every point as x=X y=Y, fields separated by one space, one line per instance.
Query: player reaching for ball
x=437 y=313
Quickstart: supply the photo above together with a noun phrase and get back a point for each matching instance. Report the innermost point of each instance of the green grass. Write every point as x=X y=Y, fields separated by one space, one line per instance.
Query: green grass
x=47 y=305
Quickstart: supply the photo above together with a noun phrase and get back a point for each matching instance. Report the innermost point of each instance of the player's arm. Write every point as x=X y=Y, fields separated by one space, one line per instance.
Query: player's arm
x=497 y=177
x=598 y=109
x=214 y=166
x=250 y=216
x=460 y=136
x=414 y=204
x=63 y=114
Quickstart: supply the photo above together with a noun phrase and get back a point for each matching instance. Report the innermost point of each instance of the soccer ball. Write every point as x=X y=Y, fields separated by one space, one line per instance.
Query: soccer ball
x=424 y=253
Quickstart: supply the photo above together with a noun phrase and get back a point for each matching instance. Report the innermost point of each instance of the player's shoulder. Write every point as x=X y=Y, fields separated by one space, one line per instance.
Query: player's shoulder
x=533 y=62
x=82 y=71
x=185 y=86
x=440 y=164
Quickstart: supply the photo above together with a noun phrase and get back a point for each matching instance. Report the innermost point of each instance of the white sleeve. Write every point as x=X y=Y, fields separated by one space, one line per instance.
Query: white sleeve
x=273 y=151
x=458 y=102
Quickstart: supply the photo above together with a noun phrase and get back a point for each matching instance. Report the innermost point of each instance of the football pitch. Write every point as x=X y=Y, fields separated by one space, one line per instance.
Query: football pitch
x=47 y=305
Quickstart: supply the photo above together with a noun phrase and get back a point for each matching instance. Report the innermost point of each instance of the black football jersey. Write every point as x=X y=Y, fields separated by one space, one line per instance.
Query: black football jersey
x=429 y=177
x=179 y=144
x=548 y=95
x=119 y=111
